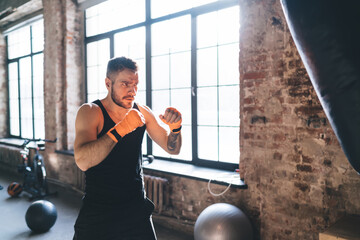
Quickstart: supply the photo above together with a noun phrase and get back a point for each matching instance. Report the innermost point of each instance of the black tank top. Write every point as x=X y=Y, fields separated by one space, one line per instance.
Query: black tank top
x=118 y=178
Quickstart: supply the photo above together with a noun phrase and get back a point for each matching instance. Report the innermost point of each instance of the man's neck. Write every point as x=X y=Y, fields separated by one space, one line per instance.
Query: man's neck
x=115 y=111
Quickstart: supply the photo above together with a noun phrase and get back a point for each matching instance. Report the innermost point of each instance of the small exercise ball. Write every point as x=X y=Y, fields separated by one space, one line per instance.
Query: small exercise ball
x=222 y=221
x=14 y=189
x=41 y=216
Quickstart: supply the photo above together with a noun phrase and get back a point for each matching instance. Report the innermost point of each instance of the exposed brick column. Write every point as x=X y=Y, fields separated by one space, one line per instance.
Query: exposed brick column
x=74 y=44
x=63 y=69
x=4 y=124
x=54 y=72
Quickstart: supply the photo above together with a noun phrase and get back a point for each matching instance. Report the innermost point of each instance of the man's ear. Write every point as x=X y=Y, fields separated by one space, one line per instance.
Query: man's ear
x=108 y=82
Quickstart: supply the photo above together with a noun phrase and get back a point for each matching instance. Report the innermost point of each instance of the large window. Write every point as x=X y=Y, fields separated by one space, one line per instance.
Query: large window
x=188 y=56
x=25 y=73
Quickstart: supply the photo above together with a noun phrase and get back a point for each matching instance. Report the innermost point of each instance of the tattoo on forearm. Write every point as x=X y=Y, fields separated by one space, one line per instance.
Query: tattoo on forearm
x=172 y=141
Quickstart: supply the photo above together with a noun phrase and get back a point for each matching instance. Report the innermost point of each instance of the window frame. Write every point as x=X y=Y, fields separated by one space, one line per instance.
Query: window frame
x=28 y=23
x=193 y=12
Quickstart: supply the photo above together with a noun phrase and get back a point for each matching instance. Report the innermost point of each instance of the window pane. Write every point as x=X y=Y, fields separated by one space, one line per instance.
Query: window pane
x=141 y=97
x=208 y=143
x=19 y=42
x=164 y=7
x=171 y=36
x=229 y=106
x=130 y=43
x=207 y=27
x=207 y=106
x=92 y=80
x=98 y=52
x=142 y=74
x=230 y=18
x=207 y=67
x=14 y=117
x=26 y=127
x=159 y=152
x=38 y=95
x=160 y=72
x=229 y=64
x=185 y=152
x=220 y=27
x=98 y=55
x=92 y=97
x=92 y=26
x=13 y=99
x=39 y=123
x=38 y=36
x=13 y=81
x=181 y=100
x=38 y=76
x=25 y=78
x=160 y=101
x=229 y=145
x=180 y=70
x=114 y=14
x=26 y=115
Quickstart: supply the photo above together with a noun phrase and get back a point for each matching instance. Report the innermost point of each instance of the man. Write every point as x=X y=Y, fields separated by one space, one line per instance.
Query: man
x=107 y=148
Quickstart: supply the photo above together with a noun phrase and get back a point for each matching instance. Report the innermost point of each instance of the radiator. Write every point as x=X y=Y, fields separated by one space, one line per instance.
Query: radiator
x=157 y=190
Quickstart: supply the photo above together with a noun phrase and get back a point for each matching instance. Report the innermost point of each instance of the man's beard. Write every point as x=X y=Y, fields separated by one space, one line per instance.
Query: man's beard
x=118 y=102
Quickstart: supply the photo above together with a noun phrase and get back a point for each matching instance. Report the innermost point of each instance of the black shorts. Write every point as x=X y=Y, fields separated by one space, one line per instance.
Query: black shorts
x=104 y=222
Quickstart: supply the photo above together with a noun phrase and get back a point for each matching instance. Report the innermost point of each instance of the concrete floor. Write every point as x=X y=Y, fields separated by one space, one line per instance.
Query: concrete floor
x=12 y=216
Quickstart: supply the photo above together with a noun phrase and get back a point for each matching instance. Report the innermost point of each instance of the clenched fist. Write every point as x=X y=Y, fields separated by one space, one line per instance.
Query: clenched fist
x=133 y=119
x=172 y=117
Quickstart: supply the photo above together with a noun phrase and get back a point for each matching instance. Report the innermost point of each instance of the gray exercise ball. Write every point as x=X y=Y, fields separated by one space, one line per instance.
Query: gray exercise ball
x=222 y=221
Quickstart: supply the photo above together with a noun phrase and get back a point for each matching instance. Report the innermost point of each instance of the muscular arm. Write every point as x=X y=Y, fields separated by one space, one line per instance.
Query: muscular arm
x=88 y=150
x=170 y=142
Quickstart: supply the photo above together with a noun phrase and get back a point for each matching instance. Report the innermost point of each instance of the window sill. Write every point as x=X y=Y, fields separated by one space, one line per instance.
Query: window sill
x=15 y=142
x=217 y=176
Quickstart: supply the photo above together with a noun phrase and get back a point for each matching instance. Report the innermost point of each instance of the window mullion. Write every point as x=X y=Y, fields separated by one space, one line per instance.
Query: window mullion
x=19 y=100
x=148 y=65
x=194 y=90
x=32 y=84
x=111 y=40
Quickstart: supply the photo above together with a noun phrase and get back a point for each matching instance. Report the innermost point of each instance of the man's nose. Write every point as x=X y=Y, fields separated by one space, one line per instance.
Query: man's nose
x=132 y=89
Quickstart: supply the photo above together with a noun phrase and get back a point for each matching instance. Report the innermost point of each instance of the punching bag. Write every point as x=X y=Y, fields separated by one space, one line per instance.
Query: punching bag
x=327 y=36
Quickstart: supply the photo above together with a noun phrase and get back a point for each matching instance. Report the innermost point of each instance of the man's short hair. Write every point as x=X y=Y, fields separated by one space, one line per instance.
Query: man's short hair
x=116 y=65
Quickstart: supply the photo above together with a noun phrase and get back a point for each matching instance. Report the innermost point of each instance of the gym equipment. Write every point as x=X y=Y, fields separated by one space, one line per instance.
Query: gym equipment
x=14 y=189
x=33 y=169
x=148 y=159
x=41 y=216
x=327 y=36
x=222 y=221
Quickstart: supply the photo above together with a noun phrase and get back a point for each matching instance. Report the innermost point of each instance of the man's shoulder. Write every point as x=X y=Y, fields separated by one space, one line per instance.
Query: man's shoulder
x=143 y=107
x=89 y=109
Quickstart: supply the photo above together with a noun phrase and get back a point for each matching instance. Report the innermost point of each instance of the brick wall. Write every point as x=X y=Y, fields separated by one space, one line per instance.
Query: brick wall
x=299 y=180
